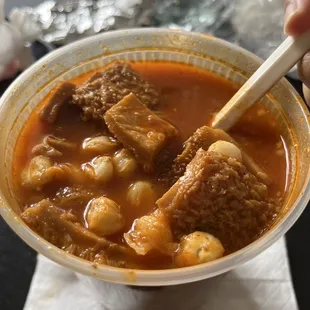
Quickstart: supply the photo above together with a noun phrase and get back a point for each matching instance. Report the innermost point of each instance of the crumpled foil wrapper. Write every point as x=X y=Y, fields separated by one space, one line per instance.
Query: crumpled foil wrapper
x=64 y=21
x=254 y=25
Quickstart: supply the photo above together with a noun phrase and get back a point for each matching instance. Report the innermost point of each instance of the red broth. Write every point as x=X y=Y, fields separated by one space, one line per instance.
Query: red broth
x=189 y=99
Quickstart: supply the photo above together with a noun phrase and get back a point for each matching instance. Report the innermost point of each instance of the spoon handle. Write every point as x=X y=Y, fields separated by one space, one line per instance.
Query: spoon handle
x=269 y=73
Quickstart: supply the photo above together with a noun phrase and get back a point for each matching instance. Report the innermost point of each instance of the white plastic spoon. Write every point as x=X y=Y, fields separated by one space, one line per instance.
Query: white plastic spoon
x=269 y=73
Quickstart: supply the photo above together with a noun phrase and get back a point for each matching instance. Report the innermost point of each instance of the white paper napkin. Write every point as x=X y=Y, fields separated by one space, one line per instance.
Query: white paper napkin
x=261 y=284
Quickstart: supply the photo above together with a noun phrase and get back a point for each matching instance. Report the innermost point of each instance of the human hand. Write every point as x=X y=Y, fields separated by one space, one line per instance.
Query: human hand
x=16 y=34
x=9 y=70
x=297 y=21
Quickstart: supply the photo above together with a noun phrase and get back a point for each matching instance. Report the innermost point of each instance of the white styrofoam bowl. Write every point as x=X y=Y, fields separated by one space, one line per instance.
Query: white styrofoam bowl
x=218 y=56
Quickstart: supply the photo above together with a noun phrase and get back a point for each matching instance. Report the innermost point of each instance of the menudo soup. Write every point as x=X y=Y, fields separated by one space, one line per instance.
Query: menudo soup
x=121 y=167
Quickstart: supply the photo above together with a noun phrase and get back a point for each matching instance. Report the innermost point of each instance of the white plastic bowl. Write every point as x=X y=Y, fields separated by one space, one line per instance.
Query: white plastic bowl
x=202 y=51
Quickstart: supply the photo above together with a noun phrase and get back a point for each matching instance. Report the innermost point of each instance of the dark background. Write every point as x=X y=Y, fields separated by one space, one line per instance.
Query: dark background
x=17 y=260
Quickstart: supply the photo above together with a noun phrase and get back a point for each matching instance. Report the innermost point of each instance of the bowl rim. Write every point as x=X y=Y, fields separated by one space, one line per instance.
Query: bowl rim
x=153 y=277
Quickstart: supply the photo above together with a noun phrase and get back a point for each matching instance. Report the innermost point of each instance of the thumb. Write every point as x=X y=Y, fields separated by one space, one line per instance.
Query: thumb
x=306 y=92
x=8 y=71
x=304 y=74
x=296 y=17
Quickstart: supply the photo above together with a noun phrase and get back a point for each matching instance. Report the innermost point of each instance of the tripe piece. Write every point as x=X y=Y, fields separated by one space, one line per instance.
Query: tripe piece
x=139 y=129
x=218 y=194
x=62 y=94
x=105 y=89
x=203 y=138
x=63 y=230
x=53 y=147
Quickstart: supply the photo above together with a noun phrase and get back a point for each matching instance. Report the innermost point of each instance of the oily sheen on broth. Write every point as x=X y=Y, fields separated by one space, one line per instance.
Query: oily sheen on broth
x=121 y=167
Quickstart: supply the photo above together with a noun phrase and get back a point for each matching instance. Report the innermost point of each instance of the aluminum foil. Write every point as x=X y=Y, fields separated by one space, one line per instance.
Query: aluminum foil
x=255 y=25
x=65 y=21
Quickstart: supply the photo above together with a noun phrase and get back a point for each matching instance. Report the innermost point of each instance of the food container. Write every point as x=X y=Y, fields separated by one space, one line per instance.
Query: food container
x=209 y=53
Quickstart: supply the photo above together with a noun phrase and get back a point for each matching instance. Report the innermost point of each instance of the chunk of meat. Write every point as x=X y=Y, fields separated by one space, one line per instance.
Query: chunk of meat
x=53 y=147
x=62 y=94
x=41 y=170
x=151 y=232
x=198 y=248
x=165 y=158
x=62 y=230
x=75 y=195
x=60 y=143
x=203 y=138
x=69 y=173
x=104 y=216
x=218 y=194
x=139 y=129
x=105 y=89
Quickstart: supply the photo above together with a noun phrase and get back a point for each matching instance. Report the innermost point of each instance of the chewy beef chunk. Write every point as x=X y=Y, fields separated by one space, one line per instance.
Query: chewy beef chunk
x=62 y=94
x=53 y=147
x=73 y=195
x=53 y=224
x=105 y=89
x=203 y=138
x=139 y=129
x=64 y=231
x=218 y=194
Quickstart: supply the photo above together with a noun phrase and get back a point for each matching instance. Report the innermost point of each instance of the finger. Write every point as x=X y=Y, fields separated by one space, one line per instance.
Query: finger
x=304 y=74
x=304 y=69
x=306 y=92
x=10 y=70
x=296 y=17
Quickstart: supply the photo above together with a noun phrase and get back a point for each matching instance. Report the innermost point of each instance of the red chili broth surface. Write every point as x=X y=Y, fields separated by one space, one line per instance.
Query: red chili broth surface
x=189 y=99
